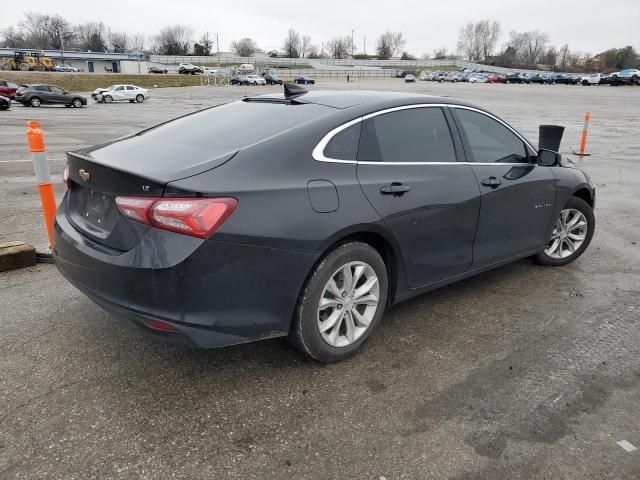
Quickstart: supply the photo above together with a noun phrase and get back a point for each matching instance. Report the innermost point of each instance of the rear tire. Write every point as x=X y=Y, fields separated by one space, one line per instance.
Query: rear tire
x=575 y=238
x=353 y=309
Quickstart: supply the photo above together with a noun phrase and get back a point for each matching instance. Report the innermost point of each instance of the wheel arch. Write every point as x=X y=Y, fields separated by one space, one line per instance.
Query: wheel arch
x=585 y=194
x=378 y=238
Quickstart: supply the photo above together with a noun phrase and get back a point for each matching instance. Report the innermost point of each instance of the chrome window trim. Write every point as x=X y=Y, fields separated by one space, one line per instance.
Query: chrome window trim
x=318 y=151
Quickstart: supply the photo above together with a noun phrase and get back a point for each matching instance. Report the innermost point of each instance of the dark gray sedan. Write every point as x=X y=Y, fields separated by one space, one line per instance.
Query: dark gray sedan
x=36 y=95
x=333 y=206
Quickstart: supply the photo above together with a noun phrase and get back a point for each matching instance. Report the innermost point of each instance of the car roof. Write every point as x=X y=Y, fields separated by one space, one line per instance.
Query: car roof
x=342 y=99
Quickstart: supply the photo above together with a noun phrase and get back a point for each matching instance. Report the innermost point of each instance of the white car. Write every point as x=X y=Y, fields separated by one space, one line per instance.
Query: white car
x=120 y=93
x=188 y=68
x=591 y=79
x=256 y=80
x=477 y=79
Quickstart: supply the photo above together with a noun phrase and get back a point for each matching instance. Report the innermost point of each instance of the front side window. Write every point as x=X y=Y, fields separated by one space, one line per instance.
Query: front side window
x=489 y=140
x=410 y=135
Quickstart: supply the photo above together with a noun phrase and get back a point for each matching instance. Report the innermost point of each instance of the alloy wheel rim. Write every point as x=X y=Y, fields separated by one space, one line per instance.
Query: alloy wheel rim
x=569 y=233
x=348 y=304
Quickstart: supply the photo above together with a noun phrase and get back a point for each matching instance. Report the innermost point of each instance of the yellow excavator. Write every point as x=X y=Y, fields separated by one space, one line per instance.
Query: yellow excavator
x=28 y=61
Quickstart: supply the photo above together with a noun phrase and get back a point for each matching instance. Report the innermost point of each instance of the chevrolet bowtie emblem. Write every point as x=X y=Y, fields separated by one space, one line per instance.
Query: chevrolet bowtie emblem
x=84 y=175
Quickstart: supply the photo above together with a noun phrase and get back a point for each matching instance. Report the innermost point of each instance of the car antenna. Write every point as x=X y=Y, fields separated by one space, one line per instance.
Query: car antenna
x=293 y=90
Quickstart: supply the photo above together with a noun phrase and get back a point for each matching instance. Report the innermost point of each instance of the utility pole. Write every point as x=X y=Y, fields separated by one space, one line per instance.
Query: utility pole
x=365 y=45
x=218 y=48
x=352 y=42
x=322 y=50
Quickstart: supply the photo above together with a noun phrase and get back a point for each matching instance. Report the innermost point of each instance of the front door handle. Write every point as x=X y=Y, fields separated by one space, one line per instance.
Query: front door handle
x=492 y=182
x=396 y=189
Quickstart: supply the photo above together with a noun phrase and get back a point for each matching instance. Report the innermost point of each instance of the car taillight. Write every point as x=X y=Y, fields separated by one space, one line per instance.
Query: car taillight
x=199 y=217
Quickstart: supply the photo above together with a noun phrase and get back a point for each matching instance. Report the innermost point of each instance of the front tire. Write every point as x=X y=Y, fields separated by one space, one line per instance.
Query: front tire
x=35 y=102
x=572 y=234
x=341 y=304
x=77 y=103
x=139 y=98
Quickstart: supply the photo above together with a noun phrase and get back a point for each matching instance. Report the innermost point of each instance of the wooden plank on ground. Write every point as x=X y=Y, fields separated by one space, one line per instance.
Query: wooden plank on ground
x=16 y=255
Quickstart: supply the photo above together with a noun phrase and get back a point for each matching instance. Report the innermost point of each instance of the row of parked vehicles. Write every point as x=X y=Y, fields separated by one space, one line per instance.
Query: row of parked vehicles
x=43 y=94
x=623 y=77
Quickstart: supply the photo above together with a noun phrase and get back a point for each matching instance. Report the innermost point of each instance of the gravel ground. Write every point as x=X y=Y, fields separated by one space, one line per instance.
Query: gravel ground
x=522 y=372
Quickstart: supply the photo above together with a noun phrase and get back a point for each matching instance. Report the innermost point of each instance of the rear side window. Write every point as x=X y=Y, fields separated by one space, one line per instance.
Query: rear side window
x=489 y=140
x=344 y=145
x=411 y=135
x=42 y=88
x=129 y=87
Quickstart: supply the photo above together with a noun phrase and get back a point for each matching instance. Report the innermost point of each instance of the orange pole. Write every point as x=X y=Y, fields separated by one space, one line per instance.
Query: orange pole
x=35 y=138
x=585 y=130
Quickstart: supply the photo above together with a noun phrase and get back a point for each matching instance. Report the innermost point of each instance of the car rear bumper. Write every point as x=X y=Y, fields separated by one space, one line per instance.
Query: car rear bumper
x=214 y=293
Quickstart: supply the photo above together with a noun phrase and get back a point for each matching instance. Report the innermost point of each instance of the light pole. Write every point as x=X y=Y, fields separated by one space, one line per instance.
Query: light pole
x=218 y=50
x=352 y=43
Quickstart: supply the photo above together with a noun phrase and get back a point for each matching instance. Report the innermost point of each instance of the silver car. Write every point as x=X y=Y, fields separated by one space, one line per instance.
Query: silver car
x=120 y=93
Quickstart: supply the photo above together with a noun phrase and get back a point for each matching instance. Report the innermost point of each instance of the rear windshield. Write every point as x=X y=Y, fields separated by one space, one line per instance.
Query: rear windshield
x=238 y=124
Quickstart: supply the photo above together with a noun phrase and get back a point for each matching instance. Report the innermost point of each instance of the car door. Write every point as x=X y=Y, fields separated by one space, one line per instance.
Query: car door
x=130 y=92
x=58 y=96
x=517 y=195
x=408 y=169
x=119 y=93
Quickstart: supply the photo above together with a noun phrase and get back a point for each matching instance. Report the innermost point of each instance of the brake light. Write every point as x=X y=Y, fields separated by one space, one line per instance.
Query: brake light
x=198 y=217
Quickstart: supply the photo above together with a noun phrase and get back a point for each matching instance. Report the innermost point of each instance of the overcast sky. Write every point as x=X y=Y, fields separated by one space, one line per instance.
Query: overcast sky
x=586 y=25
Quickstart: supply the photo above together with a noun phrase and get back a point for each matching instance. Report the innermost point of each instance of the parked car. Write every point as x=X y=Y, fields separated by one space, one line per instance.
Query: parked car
x=239 y=80
x=304 y=80
x=439 y=77
x=495 y=78
x=272 y=79
x=63 y=67
x=188 y=68
x=594 y=79
x=410 y=78
x=404 y=73
x=42 y=94
x=5 y=103
x=157 y=70
x=205 y=246
x=632 y=74
x=256 y=80
x=8 y=89
x=558 y=78
x=536 y=78
x=514 y=77
x=430 y=77
x=453 y=77
x=120 y=93
x=477 y=78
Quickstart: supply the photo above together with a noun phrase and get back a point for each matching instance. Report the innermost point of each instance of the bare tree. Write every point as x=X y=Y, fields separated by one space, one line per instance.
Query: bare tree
x=389 y=44
x=173 y=40
x=488 y=33
x=313 y=51
x=138 y=42
x=119 y=41
x=13 y=38
x=535 y=46
x=305 y=43
x=34 y=24
x=245 y=47
x=339 y=47
x=440 y=53
x=469 y=42
x=563 y=56
x=91 y=36
x=292 y=44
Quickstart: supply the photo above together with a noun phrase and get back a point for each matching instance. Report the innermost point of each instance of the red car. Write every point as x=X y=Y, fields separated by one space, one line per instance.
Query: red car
x=495 y=79
x=8 y=89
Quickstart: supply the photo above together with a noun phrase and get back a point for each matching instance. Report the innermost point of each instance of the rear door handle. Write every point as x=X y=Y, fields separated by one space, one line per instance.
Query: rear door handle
x=492 y=182
x=396 y=189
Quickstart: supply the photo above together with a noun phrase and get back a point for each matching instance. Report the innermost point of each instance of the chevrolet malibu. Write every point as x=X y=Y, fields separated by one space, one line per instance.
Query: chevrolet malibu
x=333 y=206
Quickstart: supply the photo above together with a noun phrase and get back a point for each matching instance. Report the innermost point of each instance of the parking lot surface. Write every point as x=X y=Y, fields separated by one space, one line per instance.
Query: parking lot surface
x=522 y=372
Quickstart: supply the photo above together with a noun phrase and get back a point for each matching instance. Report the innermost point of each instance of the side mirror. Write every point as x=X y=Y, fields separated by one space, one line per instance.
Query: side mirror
x=548 y=158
